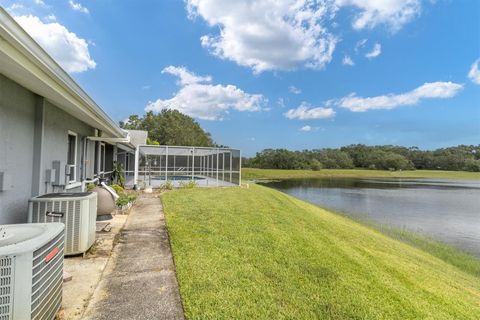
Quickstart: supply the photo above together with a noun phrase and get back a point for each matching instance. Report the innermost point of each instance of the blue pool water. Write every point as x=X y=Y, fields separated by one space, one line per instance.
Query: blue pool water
x=178 y=178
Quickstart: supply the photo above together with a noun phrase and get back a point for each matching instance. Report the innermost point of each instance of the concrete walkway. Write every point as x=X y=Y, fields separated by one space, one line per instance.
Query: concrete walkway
x=140 y=281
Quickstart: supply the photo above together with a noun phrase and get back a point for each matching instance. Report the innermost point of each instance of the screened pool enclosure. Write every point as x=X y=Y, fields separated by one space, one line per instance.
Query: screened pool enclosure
x=208 y=167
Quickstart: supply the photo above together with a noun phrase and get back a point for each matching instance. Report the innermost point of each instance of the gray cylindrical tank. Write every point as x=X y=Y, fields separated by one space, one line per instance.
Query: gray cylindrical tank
x=105 y=203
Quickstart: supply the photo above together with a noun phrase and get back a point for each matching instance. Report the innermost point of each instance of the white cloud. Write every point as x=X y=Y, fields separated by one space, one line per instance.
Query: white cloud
x=294 y=90
x=51 y=17
x=429 y=90
x=360 y=44
x=15 y=6
x=348 y=61
x=474 y=73
x=200 y=99
x=308 y=128
x=39 y=2
x=281 y=102
x=78 y=7
x=185 y=77
x=268 y=35
x=376 y=51
x=306 y=112
x=70 y=51
x=392 y=13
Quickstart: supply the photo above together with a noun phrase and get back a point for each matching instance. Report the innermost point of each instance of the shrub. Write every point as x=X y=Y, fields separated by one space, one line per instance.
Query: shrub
x=90 y=187
x=188 y=184
x=125 y=199
x=168 y=185
x=118 y=189
x=122 y=201
x=118 y=174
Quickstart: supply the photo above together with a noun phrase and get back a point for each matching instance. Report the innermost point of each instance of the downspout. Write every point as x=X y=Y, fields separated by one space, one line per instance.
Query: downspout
x=83 y=171
x=38 y=148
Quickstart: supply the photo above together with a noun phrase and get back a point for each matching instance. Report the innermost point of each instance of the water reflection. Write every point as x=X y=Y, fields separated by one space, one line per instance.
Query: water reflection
x=448 y=210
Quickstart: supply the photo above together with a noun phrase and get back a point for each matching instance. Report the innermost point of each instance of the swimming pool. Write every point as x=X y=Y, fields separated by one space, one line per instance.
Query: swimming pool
x=178 y=178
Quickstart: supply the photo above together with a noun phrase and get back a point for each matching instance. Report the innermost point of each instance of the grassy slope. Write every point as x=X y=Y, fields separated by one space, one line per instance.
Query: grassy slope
x=259 y=253
x=455 y=256
x=256 y=174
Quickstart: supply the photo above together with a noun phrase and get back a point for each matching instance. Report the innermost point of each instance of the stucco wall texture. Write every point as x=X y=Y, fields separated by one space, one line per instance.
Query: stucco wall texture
x=33 y=134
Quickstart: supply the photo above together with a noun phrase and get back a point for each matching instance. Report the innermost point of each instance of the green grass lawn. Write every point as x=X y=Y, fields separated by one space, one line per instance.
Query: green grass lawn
x=257 y=253
x=258 y=174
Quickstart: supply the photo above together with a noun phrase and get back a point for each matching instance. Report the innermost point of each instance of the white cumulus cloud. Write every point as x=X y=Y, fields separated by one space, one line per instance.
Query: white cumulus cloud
x=308 y=128
x=268 y=35
x=348 y=61
x=429 y=90
x=199 y=98
x=474 y=73
x=392 y=13
x=376 y=51
x=306 y=112
x=184 y=76
x=70 y=51
x=78 y=7
x=51 y=17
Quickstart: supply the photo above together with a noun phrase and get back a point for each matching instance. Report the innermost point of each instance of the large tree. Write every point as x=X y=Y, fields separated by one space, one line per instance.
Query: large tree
x=388 y=157
x=170 y=127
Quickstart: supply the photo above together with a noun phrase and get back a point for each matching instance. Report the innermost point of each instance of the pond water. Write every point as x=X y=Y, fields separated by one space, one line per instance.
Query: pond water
x=447 y=210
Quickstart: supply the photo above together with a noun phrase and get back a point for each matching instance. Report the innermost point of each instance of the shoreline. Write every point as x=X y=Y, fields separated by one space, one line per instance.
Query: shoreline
x=281 y=174
x=458 y=257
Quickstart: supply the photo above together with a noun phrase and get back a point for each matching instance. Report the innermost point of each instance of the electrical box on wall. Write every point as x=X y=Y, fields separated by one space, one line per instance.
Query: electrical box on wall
x=5 y=182
x=50 y=175
x=59 y=167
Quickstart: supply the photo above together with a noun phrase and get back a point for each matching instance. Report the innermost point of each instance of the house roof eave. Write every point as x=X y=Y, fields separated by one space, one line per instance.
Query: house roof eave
x=25 y=62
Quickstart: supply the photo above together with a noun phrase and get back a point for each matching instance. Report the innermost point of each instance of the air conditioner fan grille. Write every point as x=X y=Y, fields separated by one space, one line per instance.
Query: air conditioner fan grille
x=6 y=279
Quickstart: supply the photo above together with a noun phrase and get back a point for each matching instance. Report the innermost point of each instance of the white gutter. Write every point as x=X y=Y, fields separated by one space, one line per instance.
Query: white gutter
x=110 y=140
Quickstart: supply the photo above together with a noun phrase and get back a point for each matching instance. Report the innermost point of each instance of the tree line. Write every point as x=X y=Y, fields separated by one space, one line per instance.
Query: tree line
x=386 y=157
x=171 y=127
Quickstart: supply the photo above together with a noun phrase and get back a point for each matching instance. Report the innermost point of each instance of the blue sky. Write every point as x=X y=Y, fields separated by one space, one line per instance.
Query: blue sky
x=290 y=74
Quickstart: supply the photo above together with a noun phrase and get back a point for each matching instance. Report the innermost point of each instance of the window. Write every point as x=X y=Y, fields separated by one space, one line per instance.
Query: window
x=72 y=157
x=95 y=161
x=99 y=165
x=102 y=157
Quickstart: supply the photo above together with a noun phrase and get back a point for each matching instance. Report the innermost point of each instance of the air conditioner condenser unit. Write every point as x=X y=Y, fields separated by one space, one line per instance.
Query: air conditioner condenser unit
x=31 y=270
x=78 y=211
